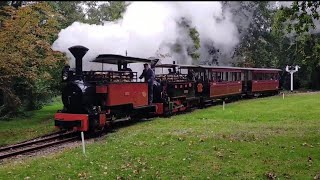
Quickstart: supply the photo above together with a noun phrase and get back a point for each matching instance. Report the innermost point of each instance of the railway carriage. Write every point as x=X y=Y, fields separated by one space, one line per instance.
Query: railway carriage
x=216 y=82
x=261 y=81
x=221 y=82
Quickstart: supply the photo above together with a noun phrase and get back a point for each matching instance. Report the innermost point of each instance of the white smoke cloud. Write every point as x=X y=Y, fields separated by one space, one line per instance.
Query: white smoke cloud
x=279 y=4
x=147 y=28
x=212 y=23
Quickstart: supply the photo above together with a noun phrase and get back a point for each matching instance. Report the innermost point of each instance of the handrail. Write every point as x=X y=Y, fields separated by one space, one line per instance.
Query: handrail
x=172 y=77
x=110 y=76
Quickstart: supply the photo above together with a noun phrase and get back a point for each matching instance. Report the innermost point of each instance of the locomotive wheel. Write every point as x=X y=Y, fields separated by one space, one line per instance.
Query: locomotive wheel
x=135 y=118
x=97 y=132
x=167 y=114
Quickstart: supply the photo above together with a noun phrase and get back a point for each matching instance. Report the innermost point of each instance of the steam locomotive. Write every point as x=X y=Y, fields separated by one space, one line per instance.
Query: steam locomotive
x=94 y=99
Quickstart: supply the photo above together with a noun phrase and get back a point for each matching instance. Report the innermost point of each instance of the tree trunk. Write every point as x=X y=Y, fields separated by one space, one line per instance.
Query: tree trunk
x=11 y=102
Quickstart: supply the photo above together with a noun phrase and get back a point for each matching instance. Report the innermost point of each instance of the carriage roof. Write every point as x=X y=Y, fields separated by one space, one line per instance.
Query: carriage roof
x=241 y=68
x=116 y=59
x=223 y=68
x=188 y=66
x=166 y=65
x=218 y=67
x=262 y=69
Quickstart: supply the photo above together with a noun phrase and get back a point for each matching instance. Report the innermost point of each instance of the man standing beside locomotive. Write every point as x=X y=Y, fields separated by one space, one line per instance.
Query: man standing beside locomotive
x=149 y=76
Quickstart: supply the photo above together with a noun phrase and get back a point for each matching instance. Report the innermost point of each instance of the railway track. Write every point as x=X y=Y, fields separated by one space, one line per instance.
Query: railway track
x=37 y=144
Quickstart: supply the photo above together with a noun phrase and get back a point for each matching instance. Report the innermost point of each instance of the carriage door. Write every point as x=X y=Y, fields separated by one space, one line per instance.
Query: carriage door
x=247 y=80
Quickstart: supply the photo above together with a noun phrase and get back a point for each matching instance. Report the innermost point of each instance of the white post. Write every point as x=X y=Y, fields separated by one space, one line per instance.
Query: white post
x=83 y=145
x=282 y=95
x=223 y=105
x=291 y=81
x=291 y=71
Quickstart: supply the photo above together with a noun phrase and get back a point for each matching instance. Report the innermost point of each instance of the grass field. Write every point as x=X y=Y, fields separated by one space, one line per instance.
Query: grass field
x=249 y=139
x=35 y=124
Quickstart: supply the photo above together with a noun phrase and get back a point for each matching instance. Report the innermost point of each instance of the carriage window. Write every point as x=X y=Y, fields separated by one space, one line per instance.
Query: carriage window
x=202 y=76
x=250 y=75
x=219 y=75
x=207 y=75
x=258 y=76
x=264 y=76
x=229 y=76
x=213 y=76
x=267 y=76
x=275 y=76
x=236 y=76
x=225 y=76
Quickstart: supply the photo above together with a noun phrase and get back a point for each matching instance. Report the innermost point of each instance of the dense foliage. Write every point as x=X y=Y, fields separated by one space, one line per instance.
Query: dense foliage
x=27 y=61
x=30 y=70
x=270 y=42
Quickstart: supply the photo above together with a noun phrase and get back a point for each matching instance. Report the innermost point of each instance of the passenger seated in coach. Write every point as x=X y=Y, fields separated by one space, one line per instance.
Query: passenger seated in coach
x=190 y=75
x=198 y=77
x=130 y=74
x=219 y=79
x=170 y=71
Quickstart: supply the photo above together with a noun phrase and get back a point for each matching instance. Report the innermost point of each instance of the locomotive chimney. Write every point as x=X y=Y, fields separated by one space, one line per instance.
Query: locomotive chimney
x=78 y=52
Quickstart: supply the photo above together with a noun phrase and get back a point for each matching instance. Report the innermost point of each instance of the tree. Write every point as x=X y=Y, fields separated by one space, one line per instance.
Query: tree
x=26 y=55
x=4 y=3
x=293 y=25
x=301 y=16
x=94 y=13
x=256 y=44
x=109 y=11
x=69 y=11
x=194 y=35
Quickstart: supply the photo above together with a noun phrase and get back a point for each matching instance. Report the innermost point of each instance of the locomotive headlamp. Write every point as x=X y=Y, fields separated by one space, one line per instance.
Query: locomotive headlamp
x=65 y=76
x=65 y=72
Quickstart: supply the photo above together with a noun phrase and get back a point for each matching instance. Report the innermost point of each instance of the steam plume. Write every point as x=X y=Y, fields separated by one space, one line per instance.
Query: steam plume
x=150 y=28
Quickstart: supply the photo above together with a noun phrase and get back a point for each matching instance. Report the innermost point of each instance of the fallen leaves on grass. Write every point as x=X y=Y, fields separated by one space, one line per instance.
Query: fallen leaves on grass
x=317 y=176
x=216 y=167
x=219 y=154
x=83 y=175
x=306 y=144
x=270 y=175
x=119 y=178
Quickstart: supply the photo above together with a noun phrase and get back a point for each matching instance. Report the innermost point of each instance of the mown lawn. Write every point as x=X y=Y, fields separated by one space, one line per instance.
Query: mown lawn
x=249 y=139
x=35 y=124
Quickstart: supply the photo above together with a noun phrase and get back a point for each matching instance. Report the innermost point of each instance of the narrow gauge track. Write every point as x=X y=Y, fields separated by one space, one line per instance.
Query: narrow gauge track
x=37 y=144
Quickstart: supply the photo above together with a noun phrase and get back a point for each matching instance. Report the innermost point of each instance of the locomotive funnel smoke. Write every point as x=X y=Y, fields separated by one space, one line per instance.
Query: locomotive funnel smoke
x=152 y=28
x=78 y=52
